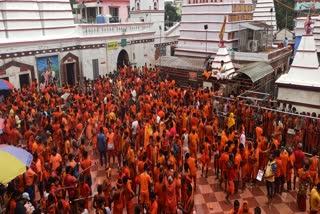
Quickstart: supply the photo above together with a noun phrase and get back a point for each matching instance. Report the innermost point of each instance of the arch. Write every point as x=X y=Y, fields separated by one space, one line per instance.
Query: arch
x=123 y=58
x=23 y=67
x=70 y=69
x=155 y=5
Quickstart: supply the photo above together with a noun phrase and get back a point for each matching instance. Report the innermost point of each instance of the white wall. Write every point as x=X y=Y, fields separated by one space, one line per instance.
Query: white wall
x=305 y=97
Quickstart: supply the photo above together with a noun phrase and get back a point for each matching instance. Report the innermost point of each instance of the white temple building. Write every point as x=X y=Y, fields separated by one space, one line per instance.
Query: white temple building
x=223 y=55
x=265 y=11
x=201 y=23
x=39 y=39
x=301 y=85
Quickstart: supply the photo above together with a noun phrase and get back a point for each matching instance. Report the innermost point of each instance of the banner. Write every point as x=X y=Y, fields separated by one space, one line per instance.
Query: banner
x=223 y=28
x=113 y=45
x=48 y=69
x=193 y=76
x=123 y=43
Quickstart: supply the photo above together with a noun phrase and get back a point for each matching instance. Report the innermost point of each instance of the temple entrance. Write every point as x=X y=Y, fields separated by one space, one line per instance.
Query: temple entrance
x=24 y=80
x=70 y=74
x=123 y=58
x=70 y=71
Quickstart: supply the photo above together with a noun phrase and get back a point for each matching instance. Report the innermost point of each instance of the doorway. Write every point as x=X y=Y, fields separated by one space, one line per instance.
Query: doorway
x=95 y=68
x=24 y=80
x=123 y=59
x=70 y=74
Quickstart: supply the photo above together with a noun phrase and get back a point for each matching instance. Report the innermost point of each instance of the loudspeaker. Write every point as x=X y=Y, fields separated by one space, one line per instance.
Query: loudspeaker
x=206 y=27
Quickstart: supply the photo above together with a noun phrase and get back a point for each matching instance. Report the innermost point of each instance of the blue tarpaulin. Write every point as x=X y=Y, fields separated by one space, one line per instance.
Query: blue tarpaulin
x=296 y=43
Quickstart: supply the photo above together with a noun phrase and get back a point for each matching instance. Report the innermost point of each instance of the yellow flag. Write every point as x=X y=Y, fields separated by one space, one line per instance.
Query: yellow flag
x=223 y=28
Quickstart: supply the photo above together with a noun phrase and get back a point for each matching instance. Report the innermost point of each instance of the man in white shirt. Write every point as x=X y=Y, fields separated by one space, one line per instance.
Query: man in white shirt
x=134 y=128
x=243 y=139
x=134 y=95
x=222 y=71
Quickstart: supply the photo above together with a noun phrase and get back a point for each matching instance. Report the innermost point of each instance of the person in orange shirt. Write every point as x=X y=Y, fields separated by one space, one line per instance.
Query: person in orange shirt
x=110 y=146
x=85 y=190
x=230 y=176
x=118 y=198
x=193 y=143
x=290 y=166
x=171 y=199
x=154 y=205
x=55 y=159
x=223 y=166
x=161 y=194
x=30 y=178
x=244 y=209
x=192 y=168
x=237 y=163
x=235 y=209
x=128 y=194
x=85 y=165
x=253 y=162
x=314 y=167
x=284 y=156
x=259 y=132
x=279 y=173
x=145 y=181
x=206 y=156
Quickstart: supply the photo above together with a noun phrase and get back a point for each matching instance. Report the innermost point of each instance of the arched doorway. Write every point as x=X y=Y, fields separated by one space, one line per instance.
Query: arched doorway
x=123 y=58
x=70 y=69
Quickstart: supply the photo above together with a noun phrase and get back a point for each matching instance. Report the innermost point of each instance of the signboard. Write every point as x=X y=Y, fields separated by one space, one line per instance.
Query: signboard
x=113 y=45
x=193 y=76
x=123 y=43
x=48 y=69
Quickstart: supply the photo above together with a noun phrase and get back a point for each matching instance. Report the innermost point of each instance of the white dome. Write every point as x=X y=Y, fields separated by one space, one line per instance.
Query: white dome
x=35 y=19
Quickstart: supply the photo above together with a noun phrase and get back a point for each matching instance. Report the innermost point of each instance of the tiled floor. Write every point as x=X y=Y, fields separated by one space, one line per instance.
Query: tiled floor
x=209 y=198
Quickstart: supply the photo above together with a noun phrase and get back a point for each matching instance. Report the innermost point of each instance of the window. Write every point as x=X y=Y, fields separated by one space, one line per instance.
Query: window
x=162 y=51
x=114 y=11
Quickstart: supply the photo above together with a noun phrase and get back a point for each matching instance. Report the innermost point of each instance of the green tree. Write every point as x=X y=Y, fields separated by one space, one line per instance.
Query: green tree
x=171 y=15
x=285 y=16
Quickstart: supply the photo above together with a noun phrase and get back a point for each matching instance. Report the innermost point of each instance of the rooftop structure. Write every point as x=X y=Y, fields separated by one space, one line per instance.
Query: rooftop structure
x=29 y=20
x=201 y=23
x=40 y=40
x=301 y=86
x=114 y=11
x=265 y=11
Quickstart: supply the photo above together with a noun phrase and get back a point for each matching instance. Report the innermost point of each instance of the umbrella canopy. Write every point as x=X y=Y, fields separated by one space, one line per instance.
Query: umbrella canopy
x=5 y=85
x=13 y=162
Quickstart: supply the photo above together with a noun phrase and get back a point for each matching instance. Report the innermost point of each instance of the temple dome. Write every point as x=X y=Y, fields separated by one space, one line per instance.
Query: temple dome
x=23 y=20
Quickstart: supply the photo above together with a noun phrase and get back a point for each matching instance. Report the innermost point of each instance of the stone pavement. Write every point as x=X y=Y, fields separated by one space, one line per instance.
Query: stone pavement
x=209 y=198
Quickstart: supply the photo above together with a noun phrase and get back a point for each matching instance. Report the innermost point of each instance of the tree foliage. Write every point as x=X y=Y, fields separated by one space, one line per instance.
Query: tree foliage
x=171 y=15
x=285 y=16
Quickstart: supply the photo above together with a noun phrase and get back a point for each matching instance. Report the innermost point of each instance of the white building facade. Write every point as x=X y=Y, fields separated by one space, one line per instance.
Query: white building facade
x=36 y=36
x=201 y=23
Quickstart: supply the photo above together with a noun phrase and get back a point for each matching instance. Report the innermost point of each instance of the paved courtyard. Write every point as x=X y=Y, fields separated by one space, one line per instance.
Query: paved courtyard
x=209 y=198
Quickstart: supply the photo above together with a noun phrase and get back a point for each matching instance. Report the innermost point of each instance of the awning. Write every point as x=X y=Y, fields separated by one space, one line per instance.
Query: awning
x=184 y=63
x=250 y=26
x=256 y=71
x=255 y=25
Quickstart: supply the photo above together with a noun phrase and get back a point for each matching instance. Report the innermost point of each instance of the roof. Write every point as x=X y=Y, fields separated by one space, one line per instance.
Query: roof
x=185 y=63
x=256 y=71
x=255 y=25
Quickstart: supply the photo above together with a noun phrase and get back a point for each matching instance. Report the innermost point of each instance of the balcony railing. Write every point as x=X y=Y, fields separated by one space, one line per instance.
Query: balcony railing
x=113 y=28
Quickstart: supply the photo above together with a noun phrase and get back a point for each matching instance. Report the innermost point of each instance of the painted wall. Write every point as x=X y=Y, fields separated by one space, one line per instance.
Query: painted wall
x=123 y=8
x=139 y=54
x=305 y=97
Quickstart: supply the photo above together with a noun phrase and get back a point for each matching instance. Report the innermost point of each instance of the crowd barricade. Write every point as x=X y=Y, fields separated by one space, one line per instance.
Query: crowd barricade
x=289 y=135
